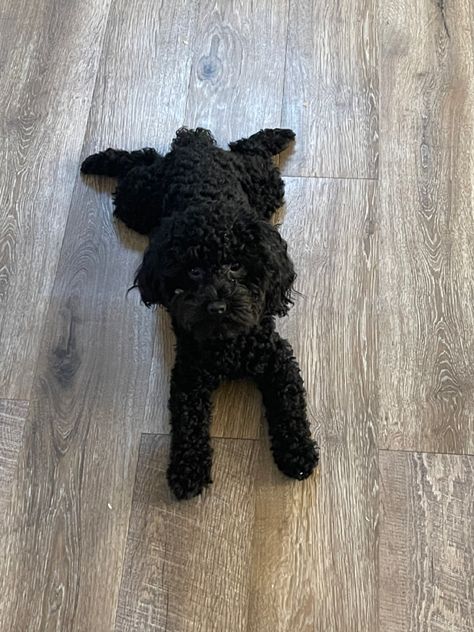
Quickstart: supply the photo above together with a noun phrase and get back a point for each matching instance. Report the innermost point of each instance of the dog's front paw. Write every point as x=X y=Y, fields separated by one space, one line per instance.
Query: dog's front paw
x=298 y=459
x=188 y=476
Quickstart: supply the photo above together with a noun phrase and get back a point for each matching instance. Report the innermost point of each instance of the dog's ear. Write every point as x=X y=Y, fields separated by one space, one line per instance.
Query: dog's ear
x=266 y=142
x=279 y=270
x=156 y=266
x=148 y=278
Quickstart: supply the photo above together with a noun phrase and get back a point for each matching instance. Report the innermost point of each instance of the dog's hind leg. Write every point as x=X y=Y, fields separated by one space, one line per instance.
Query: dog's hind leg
x=137 y=199
x=260 y=177
x=266 y=142
x=117 y=162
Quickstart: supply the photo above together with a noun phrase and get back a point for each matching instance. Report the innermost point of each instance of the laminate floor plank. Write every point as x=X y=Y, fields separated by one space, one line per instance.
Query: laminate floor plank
x=314 y=554
x=49 y=54
x=236 y=83
x=331 y=88
x=65 y=542
x=187 y=564
x=426 y=542
x=427 y=227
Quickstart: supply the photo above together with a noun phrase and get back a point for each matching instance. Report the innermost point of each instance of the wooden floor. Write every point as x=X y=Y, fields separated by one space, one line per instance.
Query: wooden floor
x=380 y=222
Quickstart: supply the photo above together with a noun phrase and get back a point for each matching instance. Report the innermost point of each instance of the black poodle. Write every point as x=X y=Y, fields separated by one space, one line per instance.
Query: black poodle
x=221 y=269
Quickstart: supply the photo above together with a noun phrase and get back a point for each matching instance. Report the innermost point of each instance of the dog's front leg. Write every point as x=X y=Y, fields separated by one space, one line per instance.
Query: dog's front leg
x=189 y=469
x=281 y=384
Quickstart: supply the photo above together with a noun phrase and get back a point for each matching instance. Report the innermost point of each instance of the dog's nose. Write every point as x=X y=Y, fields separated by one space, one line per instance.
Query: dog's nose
x=216 y=308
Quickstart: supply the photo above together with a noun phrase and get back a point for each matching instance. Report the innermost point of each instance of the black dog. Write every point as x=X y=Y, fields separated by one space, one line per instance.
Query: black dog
x=222 y=271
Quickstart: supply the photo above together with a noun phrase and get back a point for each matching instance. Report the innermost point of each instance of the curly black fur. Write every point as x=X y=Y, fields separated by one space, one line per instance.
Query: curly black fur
x=222 y=271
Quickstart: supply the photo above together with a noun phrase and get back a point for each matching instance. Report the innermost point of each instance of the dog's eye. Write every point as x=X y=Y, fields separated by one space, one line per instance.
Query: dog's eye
x=196 y=273
x=235 y=267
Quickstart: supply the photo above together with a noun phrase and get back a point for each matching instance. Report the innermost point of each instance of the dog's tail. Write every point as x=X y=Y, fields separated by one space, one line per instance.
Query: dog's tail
x=266 y=142
x=117 y=162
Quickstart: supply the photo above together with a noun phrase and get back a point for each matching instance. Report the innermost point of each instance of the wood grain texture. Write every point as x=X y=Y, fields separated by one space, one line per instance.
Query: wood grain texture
x=314 y=556
x=90 y=542
x=238 y=66
x=426 y=542
x=238 y=411
x=49 y=54
x=64 y=551
x=331 y=88
x=187 y=564
x=427 y=226
x=12 y=420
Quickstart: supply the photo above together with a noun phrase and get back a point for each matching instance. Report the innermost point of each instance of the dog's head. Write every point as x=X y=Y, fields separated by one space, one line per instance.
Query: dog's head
x=215 y=275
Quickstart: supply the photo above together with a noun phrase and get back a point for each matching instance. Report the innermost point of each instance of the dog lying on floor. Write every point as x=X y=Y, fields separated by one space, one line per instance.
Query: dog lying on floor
x=222 y=271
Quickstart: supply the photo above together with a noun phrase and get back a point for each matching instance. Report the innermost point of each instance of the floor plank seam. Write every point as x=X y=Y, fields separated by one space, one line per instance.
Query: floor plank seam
x=124 y=550
x=406 y=451
x=285 y=63
x=188 y=89
x=168 y=434
x=313 y=177
x=93 y=91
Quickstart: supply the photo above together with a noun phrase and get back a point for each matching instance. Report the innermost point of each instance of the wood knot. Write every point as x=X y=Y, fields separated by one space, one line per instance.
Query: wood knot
x=65 y=359
x=210 y=66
